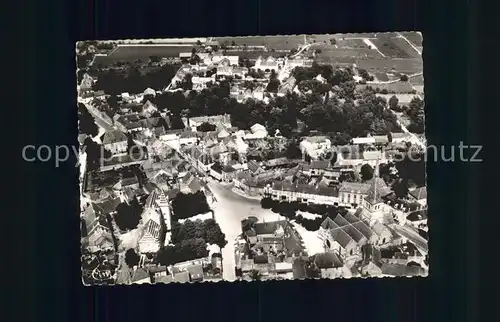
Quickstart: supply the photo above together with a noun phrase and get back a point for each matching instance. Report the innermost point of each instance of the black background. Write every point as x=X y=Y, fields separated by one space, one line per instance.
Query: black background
x=47 y=234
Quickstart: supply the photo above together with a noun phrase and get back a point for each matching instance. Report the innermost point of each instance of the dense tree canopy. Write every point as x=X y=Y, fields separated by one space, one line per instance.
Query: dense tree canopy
x=86 y=123
x=134 y=81
x=95 y=153
x=131 y=258
x=206 y=127
x=366 y=172
x=186 y=250
x=127 y=216
x=189 y=205
x=417 y=116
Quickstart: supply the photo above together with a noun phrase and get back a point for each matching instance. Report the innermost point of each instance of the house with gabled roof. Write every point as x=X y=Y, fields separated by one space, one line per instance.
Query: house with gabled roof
x=258 y=93
x=179 y=277
x=314 y=146
x=148 y=109
x=140 y=276
x=151 y=237
x=353 y=193
x=357 y=229
x=157 y=221
x=337 y=240
x=115 y=142
x=419 y=195
x=384 y=233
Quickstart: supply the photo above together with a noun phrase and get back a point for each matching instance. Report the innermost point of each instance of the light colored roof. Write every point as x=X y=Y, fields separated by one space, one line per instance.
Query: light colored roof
x=372 y=155
x=356 y=187
x=362 y=140
x=223 y=134
x=149 y=91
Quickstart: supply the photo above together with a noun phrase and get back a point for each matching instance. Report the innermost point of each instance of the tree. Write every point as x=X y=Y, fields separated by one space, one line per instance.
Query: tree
x=400 y=188
x=95 y=153
x=233 y=43
x=213 y=233
x=155 y=59
x=206 y=127
x=274 y=82
x=403 y=78
x=293 y=150
x=127 y=216
x=393 y=102
x=131 y=258
x=195 y=59
x=194 y=248
x=189 y=205
x=255 y=275
x=187 y=82
x=366 y=172
x=267 y=203
x=198 y=43
x=87 y=124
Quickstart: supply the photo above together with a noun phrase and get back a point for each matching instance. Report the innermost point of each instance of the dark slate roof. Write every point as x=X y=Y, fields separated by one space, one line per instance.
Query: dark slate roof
x=419 y=193
x=321 y=165
x=304 y=188
x=181 y=277
x=195 y=272
x=327 y=260
x=228 y=169
x=339 y=220
x=298 y=268
x=340 y=237
x=260 y=259
x=139 y=274
x=364 y=229
x=381 y=188
x=267 y=228
x=114 y=137
x=253 y=166
x=355 y=234
x=417 y=215
x=328 y=224
x=157 y=269
x=354 y=187
x=107 y=206
x=402 y=270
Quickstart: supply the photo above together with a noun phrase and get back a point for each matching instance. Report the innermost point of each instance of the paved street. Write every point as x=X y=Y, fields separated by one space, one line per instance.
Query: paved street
x=229 y=210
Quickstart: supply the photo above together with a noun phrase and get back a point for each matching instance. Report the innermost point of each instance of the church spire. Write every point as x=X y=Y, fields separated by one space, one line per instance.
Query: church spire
x=375 y=177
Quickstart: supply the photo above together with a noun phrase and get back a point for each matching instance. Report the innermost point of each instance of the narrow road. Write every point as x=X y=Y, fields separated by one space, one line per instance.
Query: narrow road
x=230 y=209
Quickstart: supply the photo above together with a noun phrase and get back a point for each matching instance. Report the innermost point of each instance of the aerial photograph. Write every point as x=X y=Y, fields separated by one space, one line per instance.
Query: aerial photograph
x=252 y=158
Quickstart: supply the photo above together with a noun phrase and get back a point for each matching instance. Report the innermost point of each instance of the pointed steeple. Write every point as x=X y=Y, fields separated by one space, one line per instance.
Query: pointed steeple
x=375 y=178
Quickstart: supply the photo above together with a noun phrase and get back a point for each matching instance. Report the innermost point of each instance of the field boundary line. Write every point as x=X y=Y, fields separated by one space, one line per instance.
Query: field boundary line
x=410 y=43
x=372 y=45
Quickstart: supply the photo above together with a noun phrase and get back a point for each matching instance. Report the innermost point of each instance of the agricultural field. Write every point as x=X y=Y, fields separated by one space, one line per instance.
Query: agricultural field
x=395 y=87
x=405 y=66
x=414 y=37
x=360 y=35
x=352 y=43
x=389 y=48
x=382 y=77
x=136 y=52
x=331 y=54
x=271 y=42
x=417 y=80
x=133 y=53
x=406 y=47
x=253 y=55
